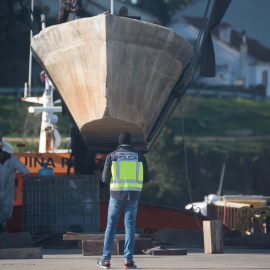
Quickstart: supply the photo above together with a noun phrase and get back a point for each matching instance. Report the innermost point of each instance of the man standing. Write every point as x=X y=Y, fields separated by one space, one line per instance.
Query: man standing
x=9 y=164
x=126 y=170
x=70 y=6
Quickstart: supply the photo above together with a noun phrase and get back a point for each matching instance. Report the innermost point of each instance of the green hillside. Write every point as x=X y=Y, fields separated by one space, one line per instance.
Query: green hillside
x=231 y=121
x=17 y=122
x=226 y=123
x=226 y=117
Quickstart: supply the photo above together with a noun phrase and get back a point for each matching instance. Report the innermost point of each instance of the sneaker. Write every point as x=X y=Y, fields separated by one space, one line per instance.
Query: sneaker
x=129 y=265
x=103 y=264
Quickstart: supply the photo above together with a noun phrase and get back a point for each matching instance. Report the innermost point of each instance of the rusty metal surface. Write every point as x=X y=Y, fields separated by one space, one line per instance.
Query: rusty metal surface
x=226 y=214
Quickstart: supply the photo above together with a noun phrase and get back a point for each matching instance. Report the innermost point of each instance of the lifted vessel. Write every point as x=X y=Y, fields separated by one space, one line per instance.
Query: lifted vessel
x=113 y=74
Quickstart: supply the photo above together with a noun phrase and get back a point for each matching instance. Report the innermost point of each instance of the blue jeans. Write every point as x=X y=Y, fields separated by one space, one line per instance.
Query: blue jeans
x=130 y=212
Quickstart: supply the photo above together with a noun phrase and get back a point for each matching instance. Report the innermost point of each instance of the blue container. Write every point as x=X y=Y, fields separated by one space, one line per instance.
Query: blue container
x=60 y=203
x=45 y=171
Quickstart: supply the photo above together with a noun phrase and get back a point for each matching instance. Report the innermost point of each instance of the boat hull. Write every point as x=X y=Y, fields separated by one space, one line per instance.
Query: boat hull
x=151 y=218
x=114 y=74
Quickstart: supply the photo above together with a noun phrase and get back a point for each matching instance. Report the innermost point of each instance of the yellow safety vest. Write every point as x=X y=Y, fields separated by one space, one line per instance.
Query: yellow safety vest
x=127 y=172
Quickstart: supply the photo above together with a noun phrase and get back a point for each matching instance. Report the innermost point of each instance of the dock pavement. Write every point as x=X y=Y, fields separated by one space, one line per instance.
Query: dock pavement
x=72 y=259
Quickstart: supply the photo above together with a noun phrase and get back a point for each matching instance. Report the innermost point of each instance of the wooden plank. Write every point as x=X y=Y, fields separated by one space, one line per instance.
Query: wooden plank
x=21 y=253
x=207 y=237
x=213 y=237
x=94 y=236
x=95 y=247
x=178 y=251
x=140 y=244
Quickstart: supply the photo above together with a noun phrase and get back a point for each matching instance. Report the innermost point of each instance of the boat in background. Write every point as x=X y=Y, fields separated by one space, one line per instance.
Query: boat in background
x=60 y=160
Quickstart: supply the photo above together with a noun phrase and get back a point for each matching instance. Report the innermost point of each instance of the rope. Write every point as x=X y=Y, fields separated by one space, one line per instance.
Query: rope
x=242 y=220
x=224 y=213
x=185 y=154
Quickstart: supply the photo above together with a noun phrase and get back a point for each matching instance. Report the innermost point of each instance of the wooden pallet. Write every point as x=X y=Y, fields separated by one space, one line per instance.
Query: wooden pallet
x=21 y=253
x=95 y=247
x=140 y=244
x=92 y=243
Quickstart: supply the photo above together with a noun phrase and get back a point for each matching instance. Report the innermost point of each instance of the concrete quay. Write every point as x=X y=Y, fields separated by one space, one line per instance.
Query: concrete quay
x=72 y=259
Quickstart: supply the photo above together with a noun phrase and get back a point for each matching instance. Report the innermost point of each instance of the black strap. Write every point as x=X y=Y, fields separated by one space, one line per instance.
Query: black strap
x=28 y=12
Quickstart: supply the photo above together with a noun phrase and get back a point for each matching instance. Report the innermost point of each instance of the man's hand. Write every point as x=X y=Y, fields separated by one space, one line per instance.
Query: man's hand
x=29 y=174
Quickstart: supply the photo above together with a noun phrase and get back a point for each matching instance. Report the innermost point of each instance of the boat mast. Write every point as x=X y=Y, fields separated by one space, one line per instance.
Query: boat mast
x=49 y=136
x=48 y=131
x=112 y=7
x=27 y=87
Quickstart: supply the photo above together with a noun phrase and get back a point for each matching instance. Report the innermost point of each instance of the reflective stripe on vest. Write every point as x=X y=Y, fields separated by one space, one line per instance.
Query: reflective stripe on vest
x=127 y=172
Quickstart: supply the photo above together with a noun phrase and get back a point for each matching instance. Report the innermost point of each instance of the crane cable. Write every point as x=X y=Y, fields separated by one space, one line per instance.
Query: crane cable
x=29 y=15
x=193 y=66
x=186 y=167
x=197 y=51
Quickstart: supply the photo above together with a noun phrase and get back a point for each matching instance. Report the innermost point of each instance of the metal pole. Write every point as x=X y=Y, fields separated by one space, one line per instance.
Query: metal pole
x=30 y=54
x=0 y=132
x=221 y=179
x=43 y=21
x=112 y=7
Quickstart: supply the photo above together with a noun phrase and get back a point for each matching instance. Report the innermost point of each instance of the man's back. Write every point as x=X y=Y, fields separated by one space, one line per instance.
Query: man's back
x=126 y=170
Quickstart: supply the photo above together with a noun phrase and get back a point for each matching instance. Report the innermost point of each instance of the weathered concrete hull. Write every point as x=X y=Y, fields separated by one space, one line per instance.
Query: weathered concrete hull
x=114 y=74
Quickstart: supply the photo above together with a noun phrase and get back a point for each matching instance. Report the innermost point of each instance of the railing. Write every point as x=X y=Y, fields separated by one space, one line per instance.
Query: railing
x=240 y=216
x=226 y=212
